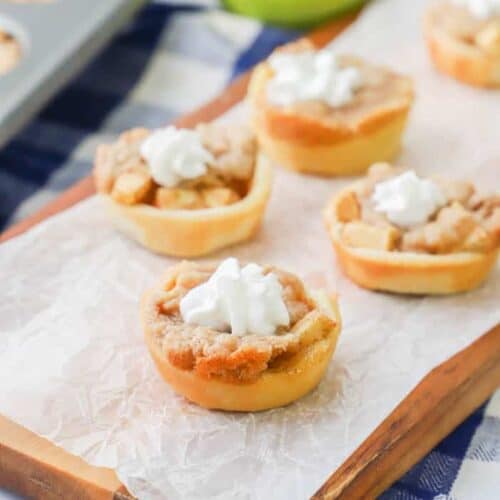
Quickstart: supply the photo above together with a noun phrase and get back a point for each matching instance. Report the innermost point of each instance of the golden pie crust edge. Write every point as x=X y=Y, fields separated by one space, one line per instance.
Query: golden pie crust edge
x=194 y=233
x=273 y=388
x=453 y=57
x=405 y=272
x=314 y=147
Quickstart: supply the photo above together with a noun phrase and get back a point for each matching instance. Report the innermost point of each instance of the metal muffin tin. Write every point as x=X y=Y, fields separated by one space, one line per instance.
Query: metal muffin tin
x=58 y=38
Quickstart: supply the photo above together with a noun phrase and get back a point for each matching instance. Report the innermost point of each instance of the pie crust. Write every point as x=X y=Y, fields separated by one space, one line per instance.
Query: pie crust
x=406 y=272
x=458 y=57
x=250 y=373
x=341 y=141
x=193 y=233
x=184 y=221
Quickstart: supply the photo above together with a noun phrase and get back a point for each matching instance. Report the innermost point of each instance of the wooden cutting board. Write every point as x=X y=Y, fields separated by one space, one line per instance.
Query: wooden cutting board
x=34 y=467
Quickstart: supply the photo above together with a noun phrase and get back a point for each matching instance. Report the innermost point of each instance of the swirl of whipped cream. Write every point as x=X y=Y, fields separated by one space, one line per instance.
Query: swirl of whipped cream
x=311 y=75
x=242 y=301
x=483 y=9
x=174 y=155
x=406 y=200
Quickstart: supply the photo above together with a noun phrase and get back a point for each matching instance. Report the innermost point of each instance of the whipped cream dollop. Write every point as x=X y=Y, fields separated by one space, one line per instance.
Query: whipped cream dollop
x=406 y=200
x=174 y=155
x=482 y=9
x=311 y=75
x=242 y=301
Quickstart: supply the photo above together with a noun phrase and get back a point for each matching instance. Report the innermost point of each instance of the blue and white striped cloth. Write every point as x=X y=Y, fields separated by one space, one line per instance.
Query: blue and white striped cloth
x=169 y=61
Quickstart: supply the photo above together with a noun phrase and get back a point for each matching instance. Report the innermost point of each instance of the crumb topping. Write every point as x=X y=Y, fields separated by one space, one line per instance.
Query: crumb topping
x=213 y=354
x=121 y=171
x=382 y=91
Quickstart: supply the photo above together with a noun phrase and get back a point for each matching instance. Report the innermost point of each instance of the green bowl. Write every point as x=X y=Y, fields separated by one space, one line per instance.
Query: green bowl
x=293 y=13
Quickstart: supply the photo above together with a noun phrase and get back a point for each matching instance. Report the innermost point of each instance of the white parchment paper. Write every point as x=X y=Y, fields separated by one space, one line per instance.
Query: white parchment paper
x=73 y=366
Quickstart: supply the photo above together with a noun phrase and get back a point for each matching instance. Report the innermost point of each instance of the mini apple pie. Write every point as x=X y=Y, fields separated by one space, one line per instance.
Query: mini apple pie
x=10 y=52
x=184 y=192
x=463 y=37
x=319 y=113
x=239 y=338
x=396 y=232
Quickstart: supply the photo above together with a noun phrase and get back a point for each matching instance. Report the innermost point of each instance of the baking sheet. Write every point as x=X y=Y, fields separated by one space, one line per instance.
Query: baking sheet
x=74 y=368
x=58 y=38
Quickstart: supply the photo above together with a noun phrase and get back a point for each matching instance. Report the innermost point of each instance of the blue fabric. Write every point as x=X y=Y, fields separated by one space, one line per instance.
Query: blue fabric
x=435 y=474
x=45 y=158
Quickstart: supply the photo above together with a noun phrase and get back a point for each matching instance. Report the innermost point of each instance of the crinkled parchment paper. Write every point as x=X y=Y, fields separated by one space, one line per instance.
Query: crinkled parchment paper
x=73 y=366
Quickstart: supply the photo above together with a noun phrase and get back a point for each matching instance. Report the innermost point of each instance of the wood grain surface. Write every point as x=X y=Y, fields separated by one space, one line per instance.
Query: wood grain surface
x=439 y=403
x=36 y=468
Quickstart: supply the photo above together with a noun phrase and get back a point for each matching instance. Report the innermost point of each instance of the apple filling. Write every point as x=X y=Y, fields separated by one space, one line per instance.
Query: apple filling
x=466 y=221
x=122 y=172
x=458 y=22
